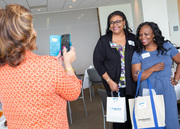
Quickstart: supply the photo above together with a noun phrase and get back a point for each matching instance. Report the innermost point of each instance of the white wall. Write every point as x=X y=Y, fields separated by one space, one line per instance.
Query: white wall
x=106 y=10
x=84 y=30
x=173 y=19
x=156 y=11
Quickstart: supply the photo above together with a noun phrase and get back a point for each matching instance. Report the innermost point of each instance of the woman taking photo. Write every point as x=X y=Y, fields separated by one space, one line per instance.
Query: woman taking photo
x=34 y=89
x=112 y=60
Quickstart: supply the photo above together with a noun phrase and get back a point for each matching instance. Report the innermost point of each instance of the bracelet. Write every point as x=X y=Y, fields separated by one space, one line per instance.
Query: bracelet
x=137 y=72
x=69 y=69
x=108 y=80
x=176 y=81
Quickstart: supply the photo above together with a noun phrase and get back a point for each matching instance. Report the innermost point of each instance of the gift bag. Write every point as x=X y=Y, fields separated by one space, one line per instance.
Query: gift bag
x=116 y=109
x=147 y=112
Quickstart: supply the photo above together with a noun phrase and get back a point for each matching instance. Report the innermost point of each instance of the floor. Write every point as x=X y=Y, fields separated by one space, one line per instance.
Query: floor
x=94 y=120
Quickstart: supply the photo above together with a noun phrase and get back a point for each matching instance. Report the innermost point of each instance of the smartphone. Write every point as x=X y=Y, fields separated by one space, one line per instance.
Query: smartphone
x=54 y=44
x=65 y=41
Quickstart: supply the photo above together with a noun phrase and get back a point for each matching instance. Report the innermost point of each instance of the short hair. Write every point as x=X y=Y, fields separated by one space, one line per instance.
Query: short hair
x=16 y=34
x=121 y=14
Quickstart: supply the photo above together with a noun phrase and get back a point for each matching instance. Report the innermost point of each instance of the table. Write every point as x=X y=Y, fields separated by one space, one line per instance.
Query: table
x=86 y=82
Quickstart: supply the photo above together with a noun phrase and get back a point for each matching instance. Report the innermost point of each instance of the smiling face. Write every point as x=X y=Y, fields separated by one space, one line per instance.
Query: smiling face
x=146 y=35
x=116 y=24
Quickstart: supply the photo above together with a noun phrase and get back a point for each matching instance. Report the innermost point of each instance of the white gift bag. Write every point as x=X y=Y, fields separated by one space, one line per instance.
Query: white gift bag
x=147 y=111
x=116 y=109
x=144 y=113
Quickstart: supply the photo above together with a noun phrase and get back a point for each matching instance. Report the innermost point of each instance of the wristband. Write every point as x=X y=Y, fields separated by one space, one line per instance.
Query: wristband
x=176 y=81
x=69 y=69
x=108 y=80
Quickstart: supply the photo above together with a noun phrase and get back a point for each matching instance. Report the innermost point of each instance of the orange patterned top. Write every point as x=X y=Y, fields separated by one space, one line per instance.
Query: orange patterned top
x=34 y=94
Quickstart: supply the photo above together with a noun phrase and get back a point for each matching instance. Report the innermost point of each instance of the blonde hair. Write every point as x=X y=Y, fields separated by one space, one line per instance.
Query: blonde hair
x=16 y=34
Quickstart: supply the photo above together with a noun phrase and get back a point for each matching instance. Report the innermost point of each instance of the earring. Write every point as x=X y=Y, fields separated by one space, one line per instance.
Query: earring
x=109 y=28
x=124 y=27
x=154 y=39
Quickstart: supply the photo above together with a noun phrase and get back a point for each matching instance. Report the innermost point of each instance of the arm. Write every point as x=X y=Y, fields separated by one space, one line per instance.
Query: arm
x=113 y=85
x=68 y=85
x=99 y=57
x=146 y=73
x=67 y=59
x=176 y=78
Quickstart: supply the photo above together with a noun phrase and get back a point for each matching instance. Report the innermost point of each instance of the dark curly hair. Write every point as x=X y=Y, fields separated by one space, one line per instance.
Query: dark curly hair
x=127 y=30
x=159 y=39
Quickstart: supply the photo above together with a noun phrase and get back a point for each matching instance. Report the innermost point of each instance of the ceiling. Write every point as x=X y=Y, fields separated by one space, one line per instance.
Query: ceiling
x=48 y=6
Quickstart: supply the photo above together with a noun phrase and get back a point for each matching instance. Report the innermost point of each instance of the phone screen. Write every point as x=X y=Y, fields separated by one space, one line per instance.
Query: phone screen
x=65 y=41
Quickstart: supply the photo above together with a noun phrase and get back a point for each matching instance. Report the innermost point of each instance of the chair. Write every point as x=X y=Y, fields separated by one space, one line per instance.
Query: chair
x=95 y=79
x=103 y=95
x=80 y=97
x=178 y=105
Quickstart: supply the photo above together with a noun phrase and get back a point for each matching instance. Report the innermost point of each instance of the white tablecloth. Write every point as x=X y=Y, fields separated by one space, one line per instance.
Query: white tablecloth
x=86 y=82
x=177 y=90
x=2 y=120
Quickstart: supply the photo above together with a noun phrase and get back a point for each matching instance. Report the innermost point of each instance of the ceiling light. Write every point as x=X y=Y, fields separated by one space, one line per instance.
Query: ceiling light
x=38 y=10
x=73 y=0
x=70 y=7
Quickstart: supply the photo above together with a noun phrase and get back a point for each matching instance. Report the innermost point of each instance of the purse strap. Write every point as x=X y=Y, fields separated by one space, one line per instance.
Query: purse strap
x=152 y=102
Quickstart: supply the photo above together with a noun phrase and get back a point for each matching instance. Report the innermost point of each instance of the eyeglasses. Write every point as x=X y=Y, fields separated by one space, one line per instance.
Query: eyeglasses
x=116 y=22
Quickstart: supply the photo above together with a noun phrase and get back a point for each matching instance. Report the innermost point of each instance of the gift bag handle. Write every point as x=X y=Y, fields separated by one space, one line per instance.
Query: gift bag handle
x=152 y=102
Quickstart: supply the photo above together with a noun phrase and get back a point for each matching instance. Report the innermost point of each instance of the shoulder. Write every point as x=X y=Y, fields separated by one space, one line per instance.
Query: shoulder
x=46 y=58
x=136 y=58
x=171 y=48
x=167 y=44
x=106 y=37
x=135 y=54
x=46 y=61
x=131 y=36
x=139 y=54
x=104 y=40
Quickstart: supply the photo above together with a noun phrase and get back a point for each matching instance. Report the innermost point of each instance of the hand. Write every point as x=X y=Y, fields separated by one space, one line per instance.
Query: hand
x=158 y=67
x=173 y=81
x=69 y=56
x=60 y=58
x=113 y=85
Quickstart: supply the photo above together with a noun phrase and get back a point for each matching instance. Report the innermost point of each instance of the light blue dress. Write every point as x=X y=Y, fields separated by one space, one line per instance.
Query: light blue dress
x=160 y=81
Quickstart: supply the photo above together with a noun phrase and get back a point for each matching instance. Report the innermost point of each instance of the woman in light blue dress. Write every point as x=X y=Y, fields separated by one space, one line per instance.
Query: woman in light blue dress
x=154 y=57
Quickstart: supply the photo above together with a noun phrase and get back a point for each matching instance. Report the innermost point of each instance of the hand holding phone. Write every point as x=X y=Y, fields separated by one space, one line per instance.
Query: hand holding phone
x=60 y=58
x=65 y=42
x=69 y=56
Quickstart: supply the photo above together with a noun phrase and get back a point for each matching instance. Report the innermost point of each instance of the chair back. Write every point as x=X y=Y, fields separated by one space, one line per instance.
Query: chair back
x=93 y=75
x=103 y=95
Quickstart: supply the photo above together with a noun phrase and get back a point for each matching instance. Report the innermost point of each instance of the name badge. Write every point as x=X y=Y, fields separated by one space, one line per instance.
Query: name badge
x=113 y=45
x=131 y=42
x=145 y=55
